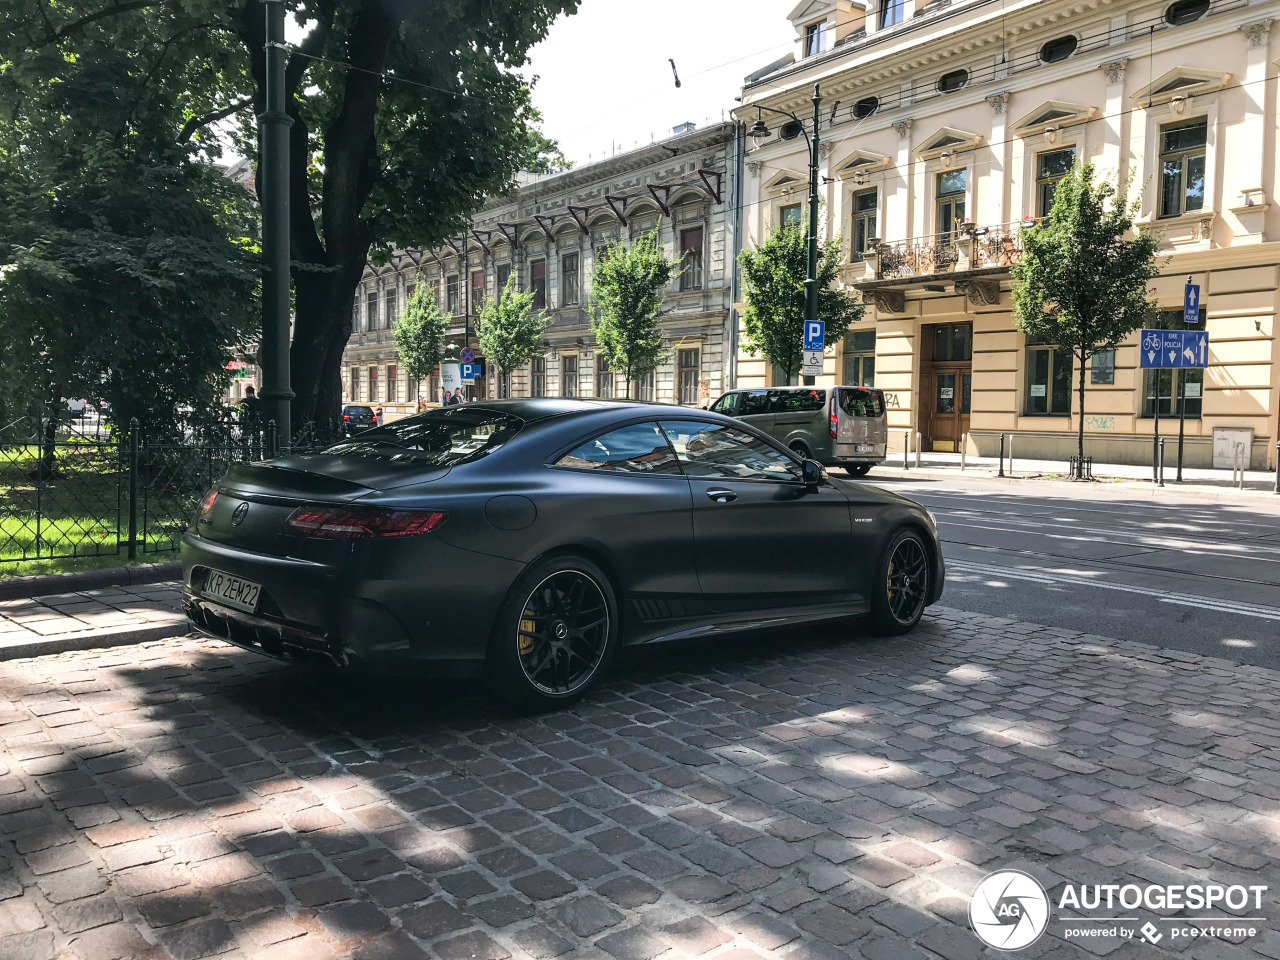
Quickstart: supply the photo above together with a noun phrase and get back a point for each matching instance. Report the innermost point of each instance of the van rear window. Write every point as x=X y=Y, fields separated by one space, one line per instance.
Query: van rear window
x=861 y=402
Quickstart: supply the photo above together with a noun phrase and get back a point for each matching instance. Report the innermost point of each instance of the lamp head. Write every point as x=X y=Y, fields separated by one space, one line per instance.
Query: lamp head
x=760 y=131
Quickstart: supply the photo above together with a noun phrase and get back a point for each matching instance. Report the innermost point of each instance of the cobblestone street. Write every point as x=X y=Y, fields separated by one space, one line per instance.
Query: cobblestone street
x=831 y=796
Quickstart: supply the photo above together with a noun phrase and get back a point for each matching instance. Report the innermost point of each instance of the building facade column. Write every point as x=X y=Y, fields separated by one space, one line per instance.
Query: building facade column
x=1252 y=201
x=994 y=202
x=1113 y=121
x=898 y=208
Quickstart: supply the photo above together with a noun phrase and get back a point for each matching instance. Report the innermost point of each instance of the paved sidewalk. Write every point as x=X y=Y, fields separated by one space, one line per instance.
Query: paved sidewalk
x=107 y=617
x=801 y=796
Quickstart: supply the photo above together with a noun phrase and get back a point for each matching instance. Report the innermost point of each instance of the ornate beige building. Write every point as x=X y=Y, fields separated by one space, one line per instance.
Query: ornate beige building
x=547 y=234
x=944 y=128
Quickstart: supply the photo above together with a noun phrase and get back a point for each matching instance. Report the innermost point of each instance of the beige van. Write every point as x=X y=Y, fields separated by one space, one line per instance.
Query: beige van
x=837 y=426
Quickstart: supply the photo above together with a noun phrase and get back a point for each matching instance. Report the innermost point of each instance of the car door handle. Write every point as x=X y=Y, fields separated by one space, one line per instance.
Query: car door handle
x=722 y=496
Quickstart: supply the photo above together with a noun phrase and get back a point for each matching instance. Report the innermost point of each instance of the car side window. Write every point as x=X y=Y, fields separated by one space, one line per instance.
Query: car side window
x=638 y=448
x=793 y=401
x=714 y=450
x=728 y=404
x=753 y=401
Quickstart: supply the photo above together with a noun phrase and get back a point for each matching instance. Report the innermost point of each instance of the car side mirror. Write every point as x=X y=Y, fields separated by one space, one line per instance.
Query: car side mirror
x=813 y=474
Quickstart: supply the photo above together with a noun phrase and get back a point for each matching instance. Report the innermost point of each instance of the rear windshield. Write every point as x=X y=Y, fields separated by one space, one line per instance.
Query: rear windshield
x=440 y=438
x=353 y=411
x=861 y=402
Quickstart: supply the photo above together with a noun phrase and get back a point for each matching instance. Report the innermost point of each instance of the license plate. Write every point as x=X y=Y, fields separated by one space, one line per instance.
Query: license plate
x=864 y=448
x=234 y=592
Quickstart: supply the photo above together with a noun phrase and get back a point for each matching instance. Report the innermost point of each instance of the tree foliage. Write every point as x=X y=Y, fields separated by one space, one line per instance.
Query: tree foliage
x=127 y=262
x=773 y=278
x=1081 y=282
x=420 y=334
x=406 y=115
x=626 y=305
x=510 y=330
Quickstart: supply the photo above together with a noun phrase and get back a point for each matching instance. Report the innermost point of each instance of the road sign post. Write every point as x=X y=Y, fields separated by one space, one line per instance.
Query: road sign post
x=1173 y=350
x=815 y=336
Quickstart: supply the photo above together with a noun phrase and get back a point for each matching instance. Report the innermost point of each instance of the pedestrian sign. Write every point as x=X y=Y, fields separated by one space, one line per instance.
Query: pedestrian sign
x=1191 y=303
x=1174 y=349
x=467 y=355
x=815 y=334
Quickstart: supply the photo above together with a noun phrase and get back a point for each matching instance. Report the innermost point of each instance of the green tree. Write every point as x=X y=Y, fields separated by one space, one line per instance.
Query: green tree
x=773 y=275
x=128 y=263
x=1081 y=282
x=510 y=330
x=420 y=333
x=405 y=116
x=626 y=305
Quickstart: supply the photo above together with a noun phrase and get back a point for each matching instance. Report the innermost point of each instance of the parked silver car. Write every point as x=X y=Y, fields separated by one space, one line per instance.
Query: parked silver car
x=837 y=426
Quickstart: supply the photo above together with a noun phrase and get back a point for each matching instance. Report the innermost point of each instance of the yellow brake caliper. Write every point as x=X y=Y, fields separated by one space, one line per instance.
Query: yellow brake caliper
x=890 y=583
x=527 y=629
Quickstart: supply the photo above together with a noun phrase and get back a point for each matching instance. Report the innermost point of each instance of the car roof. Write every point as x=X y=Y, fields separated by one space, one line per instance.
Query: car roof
x=542 y=408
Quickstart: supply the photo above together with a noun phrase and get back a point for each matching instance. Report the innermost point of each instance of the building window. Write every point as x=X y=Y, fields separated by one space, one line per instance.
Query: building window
x=790 y=215
x=604 y=378
x=503 y=274
x=1166 y=386
x=569 y=377
x=953 y=81
x=864 y=222
x=689 y=371
x=538 y=284
x=890 y=12
x=1048 y=380
x=644 y=388
x=538 y=377
x=1182 y=153
x=393 y=383
x=1058 y=49
x=371 y=310
x=373 y=384
x=860 y=359
x=451 y=296
x=815 y=38
x=1051 y=167
x=477 y=291
x=865 y=107
x=409 y=291
x=569 y=285
x=1186 y=11
x=1102 y=367
x=389 y=320
x=691 y=258
x=952 y=185
x=952 y=343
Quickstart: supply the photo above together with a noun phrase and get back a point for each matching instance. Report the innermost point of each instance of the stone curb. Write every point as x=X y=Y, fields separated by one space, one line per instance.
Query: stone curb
x=50 y=584
x=92 y=639
x=1126 y=484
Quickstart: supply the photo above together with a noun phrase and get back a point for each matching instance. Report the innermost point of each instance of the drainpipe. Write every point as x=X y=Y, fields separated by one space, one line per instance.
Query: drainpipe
x=735 y=295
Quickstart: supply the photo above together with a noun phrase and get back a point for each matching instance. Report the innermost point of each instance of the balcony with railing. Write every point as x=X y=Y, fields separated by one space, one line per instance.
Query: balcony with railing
x=972 y=248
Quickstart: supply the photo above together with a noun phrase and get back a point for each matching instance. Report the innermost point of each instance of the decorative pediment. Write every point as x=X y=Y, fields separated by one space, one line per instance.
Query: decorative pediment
x=807 y=10
x=785 y=180
x=948 y=140
x=1181 y=82
x=1055 y=114
x=860 y=162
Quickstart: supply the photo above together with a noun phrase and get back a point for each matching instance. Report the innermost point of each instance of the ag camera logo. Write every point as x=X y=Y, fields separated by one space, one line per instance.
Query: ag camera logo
x=1009 y=910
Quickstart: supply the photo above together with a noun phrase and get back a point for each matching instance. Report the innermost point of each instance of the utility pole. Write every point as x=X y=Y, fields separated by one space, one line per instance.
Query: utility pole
x=811 y=278
x=273 y=193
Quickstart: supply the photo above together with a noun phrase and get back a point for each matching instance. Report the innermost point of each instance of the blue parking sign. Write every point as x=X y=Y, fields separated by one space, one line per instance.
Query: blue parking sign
x=815 y=334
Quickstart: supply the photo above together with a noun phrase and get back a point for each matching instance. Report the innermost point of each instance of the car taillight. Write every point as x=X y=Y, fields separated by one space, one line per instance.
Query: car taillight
x=346 y=416
x=833 y=421
x=361 y=523
x=207 y=503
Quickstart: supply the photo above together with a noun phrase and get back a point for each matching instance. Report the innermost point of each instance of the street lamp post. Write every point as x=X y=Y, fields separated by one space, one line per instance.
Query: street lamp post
x=759 y=132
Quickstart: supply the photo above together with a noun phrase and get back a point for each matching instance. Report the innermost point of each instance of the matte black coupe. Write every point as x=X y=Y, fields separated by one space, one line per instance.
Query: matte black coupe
x=525 y=540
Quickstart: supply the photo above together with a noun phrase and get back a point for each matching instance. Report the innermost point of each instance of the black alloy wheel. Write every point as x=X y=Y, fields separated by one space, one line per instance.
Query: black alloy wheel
x=555 y=633
x=902 y=585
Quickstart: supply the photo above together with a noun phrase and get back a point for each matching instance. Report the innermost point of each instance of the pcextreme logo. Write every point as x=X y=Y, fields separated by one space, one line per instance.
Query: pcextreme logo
x=1010 y=910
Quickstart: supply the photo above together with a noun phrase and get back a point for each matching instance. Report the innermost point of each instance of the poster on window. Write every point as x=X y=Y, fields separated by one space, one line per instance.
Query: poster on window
x=946 y=393
x=450 y=384
x=1038 y=389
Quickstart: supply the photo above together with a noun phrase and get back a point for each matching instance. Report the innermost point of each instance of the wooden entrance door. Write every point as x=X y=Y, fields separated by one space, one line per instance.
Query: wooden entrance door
x=946 y=385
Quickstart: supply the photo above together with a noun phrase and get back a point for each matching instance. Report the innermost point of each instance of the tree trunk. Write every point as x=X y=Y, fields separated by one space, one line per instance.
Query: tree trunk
x=48 y=465
x=1080 y=434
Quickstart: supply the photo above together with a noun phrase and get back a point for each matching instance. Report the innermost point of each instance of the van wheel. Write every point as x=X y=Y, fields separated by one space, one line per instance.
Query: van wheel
x=801 y=450
x=900 y=590
x=555 y=633
x=858 y=470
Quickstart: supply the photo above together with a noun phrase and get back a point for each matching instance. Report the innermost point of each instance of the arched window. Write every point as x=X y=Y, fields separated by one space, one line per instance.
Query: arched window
x=1058 y=49
x=953 y=81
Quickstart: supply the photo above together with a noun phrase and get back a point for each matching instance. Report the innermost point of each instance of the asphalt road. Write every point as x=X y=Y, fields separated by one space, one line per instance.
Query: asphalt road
x=1191 y=574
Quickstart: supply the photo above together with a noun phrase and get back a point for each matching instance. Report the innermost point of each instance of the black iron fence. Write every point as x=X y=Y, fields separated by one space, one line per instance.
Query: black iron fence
x=89 y=488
